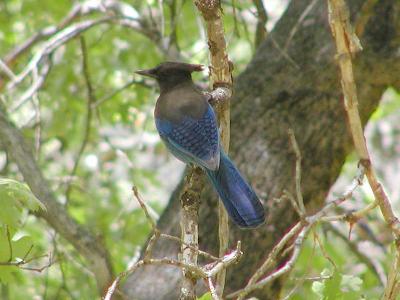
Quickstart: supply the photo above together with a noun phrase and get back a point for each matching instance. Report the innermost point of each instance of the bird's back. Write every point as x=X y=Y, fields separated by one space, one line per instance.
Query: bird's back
x=182 y=101
x=188 y=126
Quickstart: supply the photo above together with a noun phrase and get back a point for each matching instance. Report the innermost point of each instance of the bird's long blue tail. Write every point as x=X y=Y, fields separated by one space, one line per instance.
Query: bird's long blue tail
x=238 y=197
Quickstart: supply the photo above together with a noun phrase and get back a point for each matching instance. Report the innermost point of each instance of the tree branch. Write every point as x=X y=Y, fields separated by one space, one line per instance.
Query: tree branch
x=52 y=44
x=83 y=240
x=373 y=265
x=193 y=271
x=190 y=201
x=297 y=232
x=347 y=44
x=221 y=81
x=115 y=11
x=262 y=19
x=91 y=99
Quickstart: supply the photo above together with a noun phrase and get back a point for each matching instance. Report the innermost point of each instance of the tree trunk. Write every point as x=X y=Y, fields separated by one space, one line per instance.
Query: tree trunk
x=299 y=88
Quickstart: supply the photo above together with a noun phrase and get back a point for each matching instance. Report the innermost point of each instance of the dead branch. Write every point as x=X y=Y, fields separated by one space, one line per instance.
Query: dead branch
x=298 y=233
x=207 y=272
x=347 y=44
x=372 y=264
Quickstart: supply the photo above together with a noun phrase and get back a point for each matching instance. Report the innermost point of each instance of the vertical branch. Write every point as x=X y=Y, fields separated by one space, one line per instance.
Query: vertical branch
x=347 y=44
x=88 y=122
x=262 y=19
x=190 y=200
x=221 y=80
x=392 y=289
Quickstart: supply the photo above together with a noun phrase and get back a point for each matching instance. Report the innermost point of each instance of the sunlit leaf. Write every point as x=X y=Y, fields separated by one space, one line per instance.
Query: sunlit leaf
x=206 y=296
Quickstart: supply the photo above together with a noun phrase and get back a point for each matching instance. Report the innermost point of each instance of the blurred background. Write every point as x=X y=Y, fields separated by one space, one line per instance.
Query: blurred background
x=93 y=150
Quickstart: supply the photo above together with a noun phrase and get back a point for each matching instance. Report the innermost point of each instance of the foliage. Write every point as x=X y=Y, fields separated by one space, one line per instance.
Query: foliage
x=206 y=296
x=15 y=200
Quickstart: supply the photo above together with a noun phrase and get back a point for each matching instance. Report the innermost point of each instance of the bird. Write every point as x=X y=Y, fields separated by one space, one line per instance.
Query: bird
x=188 y=126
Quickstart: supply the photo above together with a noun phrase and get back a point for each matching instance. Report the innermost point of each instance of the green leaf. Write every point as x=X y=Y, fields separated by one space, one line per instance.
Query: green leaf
x=7 y=274
x=18 y=194
x=332 y=287
x=328 y=289
x=20 y=245
x=206 y=296
x=9 y=214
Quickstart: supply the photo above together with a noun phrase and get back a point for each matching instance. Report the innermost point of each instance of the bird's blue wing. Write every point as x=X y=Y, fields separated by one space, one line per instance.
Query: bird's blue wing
x=193 y=140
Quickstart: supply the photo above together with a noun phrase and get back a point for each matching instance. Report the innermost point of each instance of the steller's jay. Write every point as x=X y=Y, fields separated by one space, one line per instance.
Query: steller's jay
x=187 y=125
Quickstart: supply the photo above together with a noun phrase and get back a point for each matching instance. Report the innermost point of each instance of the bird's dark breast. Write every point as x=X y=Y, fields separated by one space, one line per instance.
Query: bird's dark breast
x=176 y=104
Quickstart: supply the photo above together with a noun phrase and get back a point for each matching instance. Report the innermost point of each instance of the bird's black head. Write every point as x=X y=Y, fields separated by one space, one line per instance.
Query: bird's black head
x=169 y=74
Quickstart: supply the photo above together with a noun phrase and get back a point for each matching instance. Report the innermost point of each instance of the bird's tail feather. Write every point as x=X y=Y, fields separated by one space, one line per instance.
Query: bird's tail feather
x=238 y=197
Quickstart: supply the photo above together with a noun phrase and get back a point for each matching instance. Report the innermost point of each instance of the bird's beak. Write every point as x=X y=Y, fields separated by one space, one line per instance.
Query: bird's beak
x=148 y=72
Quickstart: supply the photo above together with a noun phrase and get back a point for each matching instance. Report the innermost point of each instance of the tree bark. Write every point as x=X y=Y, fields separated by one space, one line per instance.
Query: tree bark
x=296 y=88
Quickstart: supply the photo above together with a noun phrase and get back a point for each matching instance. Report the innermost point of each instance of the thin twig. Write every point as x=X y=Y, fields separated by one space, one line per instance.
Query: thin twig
x=298 y=24
x=177 y=239
x=40 y=35
x=38 y=125
x=322 y=248
x=119 y=90
x=299 y=194
x=283 y=52
x=39 y=76
x=54 y=43
x=298 y=231
x=91 y=98
x=262 y=19
x=150 y=245
x=206 y=272
x=373 y=265
x=293 y=202
x=7 y=70
x=144 y=207
x=153 y=225
x=228 y=259
x=196 y=271
x=240 y=294
x=274 y=253
x=199 y=273
x=80 y=9
x=24 y=261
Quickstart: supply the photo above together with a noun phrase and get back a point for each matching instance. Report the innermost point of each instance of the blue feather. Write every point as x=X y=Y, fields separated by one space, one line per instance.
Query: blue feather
x=193 y=140
x=238 y=197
